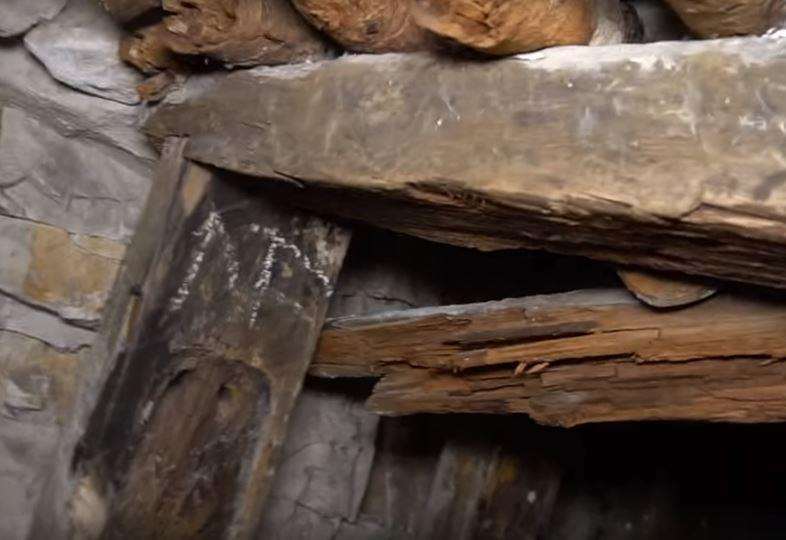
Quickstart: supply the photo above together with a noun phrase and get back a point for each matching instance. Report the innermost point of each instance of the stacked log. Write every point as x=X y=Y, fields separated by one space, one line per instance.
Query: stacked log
x=719 y=18
x=373 y=26
x=516 y=26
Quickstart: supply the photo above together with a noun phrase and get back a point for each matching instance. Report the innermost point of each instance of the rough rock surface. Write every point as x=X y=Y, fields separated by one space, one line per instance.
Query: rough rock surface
x=74 y=171
x=19 y=15
x=26 y=84
x=22 y=319
x=68 y=274
x=324 y=468
x=79 y=48
x=37 y=388
x=66 y=181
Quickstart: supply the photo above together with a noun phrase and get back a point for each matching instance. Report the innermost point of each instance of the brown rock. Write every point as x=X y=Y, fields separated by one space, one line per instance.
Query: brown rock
x=68 y=274
x=368 y=25
x=718 y=18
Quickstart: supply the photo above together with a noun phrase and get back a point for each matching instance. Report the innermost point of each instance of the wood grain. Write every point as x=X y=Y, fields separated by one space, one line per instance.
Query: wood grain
x=184 y=434
x=656 y=155
x=586 y=356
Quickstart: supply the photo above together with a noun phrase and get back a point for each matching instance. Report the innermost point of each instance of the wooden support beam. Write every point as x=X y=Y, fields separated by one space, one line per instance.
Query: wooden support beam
x=664 y=155
x=185 y=428
x=572 y=358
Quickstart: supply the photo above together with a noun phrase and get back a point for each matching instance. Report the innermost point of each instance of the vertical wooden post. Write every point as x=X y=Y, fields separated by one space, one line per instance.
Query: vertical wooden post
x=183 y=436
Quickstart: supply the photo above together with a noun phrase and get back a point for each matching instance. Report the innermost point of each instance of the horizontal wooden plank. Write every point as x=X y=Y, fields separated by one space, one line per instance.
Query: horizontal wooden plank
x=665 y=155
x=585 y=356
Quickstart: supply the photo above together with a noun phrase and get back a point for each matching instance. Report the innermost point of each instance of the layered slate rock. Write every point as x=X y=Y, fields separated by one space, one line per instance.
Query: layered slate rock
x=79 y=48
x=37 y=390
x=667 y=155
x=27 y=85
x=68 y=274
x=68 y=182
x=19 y=15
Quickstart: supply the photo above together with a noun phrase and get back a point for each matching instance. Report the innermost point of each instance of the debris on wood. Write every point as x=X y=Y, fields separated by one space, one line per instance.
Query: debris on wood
x=665 y=290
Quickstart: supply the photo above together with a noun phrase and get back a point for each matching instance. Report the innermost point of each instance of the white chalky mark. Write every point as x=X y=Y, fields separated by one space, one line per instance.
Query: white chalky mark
x=207 y=231
x=277 y=243
x=532 y=496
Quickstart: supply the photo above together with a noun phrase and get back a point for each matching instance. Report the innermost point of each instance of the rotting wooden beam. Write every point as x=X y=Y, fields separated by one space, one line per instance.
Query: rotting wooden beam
x=658 y=155
x=572 y=358
x=186 y=424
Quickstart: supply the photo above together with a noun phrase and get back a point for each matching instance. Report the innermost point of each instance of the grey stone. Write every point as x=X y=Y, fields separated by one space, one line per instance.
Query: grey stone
x=19 y=15
x=324 y=468
x=22 y=319
x=68 y=182
x=37 y=388
x=26 y=84
x=80 y=48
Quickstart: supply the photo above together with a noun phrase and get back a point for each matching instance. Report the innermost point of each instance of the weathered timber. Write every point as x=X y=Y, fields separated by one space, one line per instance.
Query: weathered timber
x=572 y=358
x=516 y=26
x=145 y=48
x=718 y=18
x=242 y=32
x=125 y=11
x=368 y=25
x=228 y=311
x=657 y=155
x=666 y=290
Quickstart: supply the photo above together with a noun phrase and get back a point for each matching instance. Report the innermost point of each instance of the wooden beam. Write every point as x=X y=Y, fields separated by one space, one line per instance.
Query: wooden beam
x=185 y=430
x=657 y=155
x=572 y=358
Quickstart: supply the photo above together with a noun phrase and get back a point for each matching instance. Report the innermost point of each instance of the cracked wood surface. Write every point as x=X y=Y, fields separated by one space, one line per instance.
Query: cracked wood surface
x=217 y=311
x=664 y=155
x=572 y=358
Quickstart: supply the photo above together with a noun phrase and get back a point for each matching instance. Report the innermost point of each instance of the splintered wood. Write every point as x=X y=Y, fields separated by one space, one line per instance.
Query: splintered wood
x=572 y=358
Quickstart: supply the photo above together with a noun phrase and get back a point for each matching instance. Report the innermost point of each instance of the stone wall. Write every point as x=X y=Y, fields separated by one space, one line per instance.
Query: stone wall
x=74 y=172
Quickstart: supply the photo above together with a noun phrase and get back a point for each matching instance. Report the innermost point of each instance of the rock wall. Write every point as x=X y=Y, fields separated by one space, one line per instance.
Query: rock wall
x=74 y=173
